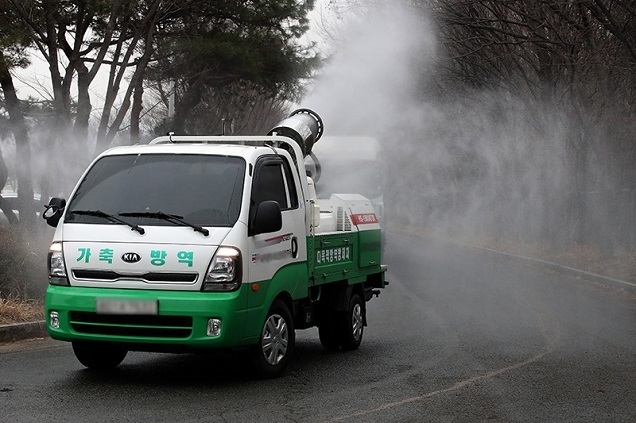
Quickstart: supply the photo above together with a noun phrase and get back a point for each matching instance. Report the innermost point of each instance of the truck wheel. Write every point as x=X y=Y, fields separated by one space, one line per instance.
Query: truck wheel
x=99 y=356
x=276 y=345
x=352 y=326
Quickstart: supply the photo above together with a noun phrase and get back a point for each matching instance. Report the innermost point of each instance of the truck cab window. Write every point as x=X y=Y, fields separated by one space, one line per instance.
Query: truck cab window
x=291 y=186
x=274 y=181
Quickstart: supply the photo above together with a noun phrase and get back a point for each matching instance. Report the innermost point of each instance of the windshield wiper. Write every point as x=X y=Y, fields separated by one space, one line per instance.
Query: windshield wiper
x=110 y=217
x=168 y=217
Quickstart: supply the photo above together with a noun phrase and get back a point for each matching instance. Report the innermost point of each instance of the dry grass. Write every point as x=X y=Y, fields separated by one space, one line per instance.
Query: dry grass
x=23 y=275
x=14 y=310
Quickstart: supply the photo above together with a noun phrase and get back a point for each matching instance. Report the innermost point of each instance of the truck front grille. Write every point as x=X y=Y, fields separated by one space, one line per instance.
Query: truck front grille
x=156 y=277
x=131 y=325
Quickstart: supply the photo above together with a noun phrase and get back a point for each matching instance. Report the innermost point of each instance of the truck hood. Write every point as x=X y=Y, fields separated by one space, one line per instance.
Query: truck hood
x=114 y=256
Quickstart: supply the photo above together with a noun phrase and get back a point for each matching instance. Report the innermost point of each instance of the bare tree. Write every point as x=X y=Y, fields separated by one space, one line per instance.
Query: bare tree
x=14 y=38
x=23 y=149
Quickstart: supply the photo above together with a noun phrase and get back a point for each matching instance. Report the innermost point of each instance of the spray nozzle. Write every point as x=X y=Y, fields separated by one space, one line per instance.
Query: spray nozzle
x=304 y=126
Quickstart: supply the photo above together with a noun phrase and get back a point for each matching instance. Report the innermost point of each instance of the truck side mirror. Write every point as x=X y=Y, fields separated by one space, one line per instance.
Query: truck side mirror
x=268 y=218
x=53 y=211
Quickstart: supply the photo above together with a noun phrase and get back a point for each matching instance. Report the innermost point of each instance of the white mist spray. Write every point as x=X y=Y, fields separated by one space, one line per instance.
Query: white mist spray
x=368 y=80
x=478 y=165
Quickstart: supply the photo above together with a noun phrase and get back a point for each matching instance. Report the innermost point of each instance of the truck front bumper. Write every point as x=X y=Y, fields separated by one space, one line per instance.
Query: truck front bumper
x=181 y=320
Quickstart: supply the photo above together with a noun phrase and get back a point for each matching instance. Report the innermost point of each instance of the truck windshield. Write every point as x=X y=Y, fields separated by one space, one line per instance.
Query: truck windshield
x=204 y=190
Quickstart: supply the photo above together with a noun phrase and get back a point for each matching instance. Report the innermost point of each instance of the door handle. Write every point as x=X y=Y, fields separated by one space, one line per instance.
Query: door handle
x=294 y=247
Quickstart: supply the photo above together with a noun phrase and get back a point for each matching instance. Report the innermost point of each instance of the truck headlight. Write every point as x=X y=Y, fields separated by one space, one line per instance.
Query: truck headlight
x=224 y=271
x=56 y=266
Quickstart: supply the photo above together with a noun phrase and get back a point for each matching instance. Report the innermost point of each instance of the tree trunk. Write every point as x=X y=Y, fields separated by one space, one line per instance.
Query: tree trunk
x=6 y=209
x=135 y=111
x=84 y=106
x=23 y=150
x=190 y=99
x=105 y=136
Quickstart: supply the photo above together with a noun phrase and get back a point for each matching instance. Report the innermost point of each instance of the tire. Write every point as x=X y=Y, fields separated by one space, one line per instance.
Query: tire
x=352 y=326
x=328 y=331
x=276 y=344
x=99 y=356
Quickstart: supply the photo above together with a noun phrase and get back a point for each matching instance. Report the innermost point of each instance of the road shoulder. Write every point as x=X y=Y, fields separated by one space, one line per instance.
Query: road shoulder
x=19 y=331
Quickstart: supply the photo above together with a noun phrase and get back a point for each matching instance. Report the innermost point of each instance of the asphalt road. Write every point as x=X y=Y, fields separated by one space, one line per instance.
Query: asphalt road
x=458 y=336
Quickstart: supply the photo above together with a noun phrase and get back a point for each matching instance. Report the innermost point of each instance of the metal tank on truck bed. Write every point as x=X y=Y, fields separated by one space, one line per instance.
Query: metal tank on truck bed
x=346 y=163
x=194 y=243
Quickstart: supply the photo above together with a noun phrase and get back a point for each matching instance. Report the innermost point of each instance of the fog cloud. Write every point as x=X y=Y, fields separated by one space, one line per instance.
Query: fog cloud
x=486 y=163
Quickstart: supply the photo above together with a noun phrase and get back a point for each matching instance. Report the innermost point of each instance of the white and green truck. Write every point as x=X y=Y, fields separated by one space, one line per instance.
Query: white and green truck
x=193 y=243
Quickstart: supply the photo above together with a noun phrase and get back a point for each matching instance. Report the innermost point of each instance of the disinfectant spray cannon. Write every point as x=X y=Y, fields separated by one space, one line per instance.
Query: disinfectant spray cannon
x=303 y=126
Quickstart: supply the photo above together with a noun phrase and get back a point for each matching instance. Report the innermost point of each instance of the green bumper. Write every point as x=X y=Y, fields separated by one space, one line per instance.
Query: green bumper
x=180 y=323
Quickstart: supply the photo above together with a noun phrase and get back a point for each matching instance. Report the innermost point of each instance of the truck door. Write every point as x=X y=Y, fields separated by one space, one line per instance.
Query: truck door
x=276 y=253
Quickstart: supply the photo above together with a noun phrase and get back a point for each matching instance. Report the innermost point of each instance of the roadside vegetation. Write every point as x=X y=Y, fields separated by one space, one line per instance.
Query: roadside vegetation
x=23 y=276
x=16 y=310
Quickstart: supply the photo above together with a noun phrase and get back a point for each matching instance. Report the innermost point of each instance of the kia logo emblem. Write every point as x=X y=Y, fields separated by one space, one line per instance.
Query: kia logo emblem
x=131 y=257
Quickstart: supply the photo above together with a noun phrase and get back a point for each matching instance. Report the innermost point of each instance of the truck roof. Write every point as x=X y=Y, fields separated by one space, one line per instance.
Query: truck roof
x=245 y=147
x=229 y=150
